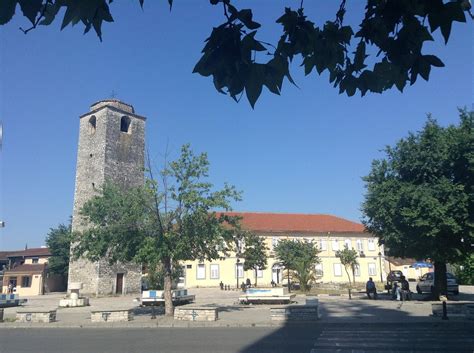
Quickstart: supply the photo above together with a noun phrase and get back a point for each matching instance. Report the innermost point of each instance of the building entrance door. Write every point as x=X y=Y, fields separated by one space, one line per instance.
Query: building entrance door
x=119 y=284
x=276 y=273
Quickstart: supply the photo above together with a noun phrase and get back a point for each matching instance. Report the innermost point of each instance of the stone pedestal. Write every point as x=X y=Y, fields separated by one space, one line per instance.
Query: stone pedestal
x=195 y=314
x=118 y=315
x=74 y=299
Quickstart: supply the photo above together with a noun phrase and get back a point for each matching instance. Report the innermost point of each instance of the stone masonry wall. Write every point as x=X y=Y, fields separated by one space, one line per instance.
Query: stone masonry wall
x=106 y=153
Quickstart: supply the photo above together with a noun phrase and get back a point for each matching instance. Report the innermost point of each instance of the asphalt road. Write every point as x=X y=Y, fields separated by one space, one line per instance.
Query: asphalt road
x=442 y=337
x=162 y=340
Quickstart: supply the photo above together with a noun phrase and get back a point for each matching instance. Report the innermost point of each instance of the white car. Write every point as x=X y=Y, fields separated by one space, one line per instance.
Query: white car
x=426 y=283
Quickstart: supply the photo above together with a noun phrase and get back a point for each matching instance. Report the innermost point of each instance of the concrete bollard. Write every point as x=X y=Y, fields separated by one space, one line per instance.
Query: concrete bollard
x=445 y=312
x=1 y=315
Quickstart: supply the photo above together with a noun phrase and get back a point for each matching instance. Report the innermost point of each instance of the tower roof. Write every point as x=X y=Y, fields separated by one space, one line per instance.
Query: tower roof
x=113 y=103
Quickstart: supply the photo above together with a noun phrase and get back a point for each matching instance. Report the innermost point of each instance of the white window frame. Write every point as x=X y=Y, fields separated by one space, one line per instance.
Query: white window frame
x=371 y=245
x=357 y=270
x=239 y=270
x=372 y=269
x=348 y=244
x=337 y=270
x=335 y=245
x=319 y=269
x=275 y=241
x=360 y=245
x=259 y=273
x=199 y=274
x=213 y=268
x=323 y=244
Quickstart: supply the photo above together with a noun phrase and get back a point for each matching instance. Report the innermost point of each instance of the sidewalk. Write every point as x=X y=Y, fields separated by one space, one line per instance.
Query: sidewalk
x=231 y=313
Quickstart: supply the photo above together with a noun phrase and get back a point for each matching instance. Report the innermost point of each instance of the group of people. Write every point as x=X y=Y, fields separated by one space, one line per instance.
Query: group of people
x=399 y=292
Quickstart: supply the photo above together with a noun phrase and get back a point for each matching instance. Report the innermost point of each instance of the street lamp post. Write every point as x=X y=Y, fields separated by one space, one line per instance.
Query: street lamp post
x=237 y=272
x=380 y=264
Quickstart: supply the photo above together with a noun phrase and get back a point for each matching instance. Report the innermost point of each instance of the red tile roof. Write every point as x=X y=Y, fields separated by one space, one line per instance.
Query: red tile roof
x=25 y=268
x=290 y=222
x=30 y=252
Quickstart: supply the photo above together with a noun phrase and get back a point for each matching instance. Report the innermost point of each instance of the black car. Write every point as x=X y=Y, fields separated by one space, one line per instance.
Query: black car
x=393 y=276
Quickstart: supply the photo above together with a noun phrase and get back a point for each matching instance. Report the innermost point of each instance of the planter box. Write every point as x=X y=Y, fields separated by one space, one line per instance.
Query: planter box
x=195 y=314
x=44 y=316
x=118 y=315
x=295 y=313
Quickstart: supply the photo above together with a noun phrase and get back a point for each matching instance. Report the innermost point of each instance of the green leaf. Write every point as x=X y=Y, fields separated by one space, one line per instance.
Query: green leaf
x=50 y=14
x=360 y=56
x=7 y=10
x=170 y=2
x=254 y=83
x=245 y=16
x=31 y=8
x=433 y=60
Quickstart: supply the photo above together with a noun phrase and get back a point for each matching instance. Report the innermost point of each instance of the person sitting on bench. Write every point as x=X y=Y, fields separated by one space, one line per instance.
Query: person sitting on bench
x=370 y=288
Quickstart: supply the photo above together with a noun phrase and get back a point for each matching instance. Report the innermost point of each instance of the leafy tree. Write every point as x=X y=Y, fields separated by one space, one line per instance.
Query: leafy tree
x=348 y=258
x=161 y=224
x=58 y=241
x=385 y=50
x=464 y=271
x=420 y=197
x=255 y=253
x=301 y=257
x=156 y=275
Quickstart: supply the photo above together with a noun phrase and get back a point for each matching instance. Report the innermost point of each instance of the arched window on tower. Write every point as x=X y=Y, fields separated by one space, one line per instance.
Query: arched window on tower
x=125 y=124
x=92 y=124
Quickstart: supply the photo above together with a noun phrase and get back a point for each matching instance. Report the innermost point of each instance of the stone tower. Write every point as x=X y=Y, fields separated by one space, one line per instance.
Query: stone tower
x=112 y=148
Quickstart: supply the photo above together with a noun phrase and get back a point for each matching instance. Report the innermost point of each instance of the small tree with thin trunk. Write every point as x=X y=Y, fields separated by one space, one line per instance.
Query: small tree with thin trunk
x=255 y=253
x=160 y=224
x=348 y=259
x=301 y=257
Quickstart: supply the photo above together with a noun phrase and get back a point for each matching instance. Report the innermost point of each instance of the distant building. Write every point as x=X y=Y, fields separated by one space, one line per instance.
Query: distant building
x=329 y=233
x=27 y=272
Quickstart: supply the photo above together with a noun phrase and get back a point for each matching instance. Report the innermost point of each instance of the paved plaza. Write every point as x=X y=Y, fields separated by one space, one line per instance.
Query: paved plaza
x=333 y=309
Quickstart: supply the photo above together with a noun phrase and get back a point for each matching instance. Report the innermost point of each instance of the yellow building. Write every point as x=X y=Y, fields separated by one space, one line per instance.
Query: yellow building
x=330 y=233
x=26 y=273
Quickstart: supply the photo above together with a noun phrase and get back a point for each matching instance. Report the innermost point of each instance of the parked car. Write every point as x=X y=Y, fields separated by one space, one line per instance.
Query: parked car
x=393 y=276
x=426 y=283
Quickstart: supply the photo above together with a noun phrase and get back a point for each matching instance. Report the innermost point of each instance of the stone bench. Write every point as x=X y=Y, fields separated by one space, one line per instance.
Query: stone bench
x=266 y=296
x=295 y=313
x=115 y=315
x=36 y=315
x=195 y=314
x=461 y=309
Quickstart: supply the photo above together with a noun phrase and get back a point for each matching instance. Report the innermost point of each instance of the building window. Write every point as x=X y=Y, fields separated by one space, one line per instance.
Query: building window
x=125 y=124
x=214 y=271
x=201 y=271
x=34 y=260
x=360 y=246
x=322 y=244
x=357 y=270
x=371 y=245
x=319 y=270
x=337 y=270
x=335 y=245
x=259 y=273
x=372 y=270
x=274 y=242
x=26 y=281
x=92 y=124
x=347 y=244
x=239 y=270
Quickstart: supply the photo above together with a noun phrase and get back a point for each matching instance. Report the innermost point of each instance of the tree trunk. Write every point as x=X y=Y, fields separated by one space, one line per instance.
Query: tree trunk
x=353 y=275
x=348 y=276
x=256 y=274
x=288 y=274
x=169 y=308
x=440 y=283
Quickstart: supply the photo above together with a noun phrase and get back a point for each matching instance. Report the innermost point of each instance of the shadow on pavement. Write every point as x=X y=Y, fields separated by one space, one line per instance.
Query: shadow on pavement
x=363 y=326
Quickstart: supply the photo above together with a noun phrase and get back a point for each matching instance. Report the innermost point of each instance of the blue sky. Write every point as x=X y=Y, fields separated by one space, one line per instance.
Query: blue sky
x=304 y=151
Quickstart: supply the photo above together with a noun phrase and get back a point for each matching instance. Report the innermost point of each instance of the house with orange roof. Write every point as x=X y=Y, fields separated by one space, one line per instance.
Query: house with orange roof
x=25 y=272
x=329 y=233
